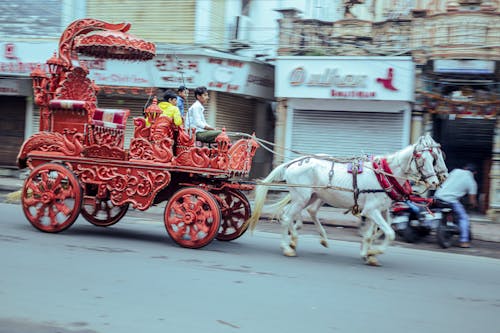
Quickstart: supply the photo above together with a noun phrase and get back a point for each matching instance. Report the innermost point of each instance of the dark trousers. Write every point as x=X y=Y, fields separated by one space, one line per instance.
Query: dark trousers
x=207 y=136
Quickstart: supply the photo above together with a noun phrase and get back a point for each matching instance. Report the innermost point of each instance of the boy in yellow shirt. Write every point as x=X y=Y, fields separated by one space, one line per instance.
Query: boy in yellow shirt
x=169 y=108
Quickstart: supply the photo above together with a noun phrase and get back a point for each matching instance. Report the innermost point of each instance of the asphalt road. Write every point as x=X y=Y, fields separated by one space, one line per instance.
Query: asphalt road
x=132 y=277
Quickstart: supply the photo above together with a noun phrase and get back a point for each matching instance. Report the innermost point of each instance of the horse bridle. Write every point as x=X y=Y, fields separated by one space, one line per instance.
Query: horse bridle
x=417 y=156
x=434 y=153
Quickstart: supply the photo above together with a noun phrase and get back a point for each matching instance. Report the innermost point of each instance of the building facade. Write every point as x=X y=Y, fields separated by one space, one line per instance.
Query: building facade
x=454 y=50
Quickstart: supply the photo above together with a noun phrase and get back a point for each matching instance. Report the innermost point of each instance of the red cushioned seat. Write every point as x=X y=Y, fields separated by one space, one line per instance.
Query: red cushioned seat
x=67 y=104
x=111 y=118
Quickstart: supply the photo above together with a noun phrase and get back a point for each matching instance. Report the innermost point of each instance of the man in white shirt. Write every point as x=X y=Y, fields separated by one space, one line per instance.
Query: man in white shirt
x=196 y=118
x=459 y=183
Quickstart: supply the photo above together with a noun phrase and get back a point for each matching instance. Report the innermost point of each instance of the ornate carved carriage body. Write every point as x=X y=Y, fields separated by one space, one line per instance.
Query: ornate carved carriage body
x=89 y=140
x=79 y=164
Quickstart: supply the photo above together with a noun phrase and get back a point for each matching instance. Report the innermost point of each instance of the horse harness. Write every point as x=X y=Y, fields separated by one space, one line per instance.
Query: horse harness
x=383 y=172
x=389 y=183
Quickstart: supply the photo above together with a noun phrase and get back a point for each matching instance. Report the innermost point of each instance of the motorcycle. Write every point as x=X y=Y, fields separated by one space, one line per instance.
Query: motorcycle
x=435 y=215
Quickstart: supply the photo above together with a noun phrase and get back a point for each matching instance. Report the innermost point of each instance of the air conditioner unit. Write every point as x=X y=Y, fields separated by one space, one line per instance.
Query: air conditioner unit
x=242 y=29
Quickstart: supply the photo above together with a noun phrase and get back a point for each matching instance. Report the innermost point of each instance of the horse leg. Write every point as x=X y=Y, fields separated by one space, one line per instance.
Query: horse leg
x=367 y=242
x=312 y=208
x=313 y=212
x=294 y=227
x=298 y=224
x=287 y=227
x=367 y=238
x=388 y=232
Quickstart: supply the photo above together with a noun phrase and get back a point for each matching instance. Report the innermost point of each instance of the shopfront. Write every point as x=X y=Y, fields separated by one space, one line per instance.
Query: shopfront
x=344 y=106
x=13 y=106
x=460 y=98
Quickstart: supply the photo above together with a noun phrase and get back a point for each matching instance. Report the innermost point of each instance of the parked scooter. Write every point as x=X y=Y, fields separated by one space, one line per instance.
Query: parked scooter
x=435 y=215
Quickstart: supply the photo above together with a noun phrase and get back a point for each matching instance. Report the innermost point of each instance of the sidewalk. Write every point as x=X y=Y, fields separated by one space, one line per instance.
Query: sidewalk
x=482 y=228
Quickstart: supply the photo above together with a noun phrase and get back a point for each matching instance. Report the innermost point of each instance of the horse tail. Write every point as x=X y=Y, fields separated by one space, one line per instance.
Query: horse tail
x=261 y=193
x=277 y=207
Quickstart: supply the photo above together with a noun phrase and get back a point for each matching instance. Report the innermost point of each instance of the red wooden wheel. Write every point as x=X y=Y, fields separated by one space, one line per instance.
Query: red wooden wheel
x=235 y=211
x=102 y=212
x=192 y=217
x=51 y=197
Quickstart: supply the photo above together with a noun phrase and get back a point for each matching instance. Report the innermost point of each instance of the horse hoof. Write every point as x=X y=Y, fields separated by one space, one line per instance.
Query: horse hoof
x=324 y=243
x=374 y=252
x=371 y=261
x=289 y=253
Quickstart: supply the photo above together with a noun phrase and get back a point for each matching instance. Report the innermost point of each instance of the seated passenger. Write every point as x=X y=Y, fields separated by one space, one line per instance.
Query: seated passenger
x=196 y=119
x=169 y=108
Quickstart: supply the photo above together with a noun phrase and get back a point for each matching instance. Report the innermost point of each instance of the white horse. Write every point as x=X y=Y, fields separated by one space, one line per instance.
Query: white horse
x=313 y=208
x=321 y=180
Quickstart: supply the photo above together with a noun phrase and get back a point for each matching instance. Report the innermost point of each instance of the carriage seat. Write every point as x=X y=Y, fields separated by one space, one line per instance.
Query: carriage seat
x=68 y=115
x=67 y=104
x=107 y=126
x=110 y=118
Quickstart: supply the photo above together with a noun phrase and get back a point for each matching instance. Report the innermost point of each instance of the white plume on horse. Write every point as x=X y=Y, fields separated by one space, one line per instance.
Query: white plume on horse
x=315 y=180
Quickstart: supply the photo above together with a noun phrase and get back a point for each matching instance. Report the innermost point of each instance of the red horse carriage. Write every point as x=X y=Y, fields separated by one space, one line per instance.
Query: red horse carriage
x=79 y=164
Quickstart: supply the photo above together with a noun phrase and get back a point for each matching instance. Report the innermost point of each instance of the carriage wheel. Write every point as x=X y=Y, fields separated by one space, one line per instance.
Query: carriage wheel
x=102 y=212
x=192 y=217
x=235 y=211
x=51 y=197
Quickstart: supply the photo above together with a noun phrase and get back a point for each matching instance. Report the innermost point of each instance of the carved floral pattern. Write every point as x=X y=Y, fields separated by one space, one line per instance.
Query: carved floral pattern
x=135 y=185
x=83 y=26
x=194 y=156
x=105 y=151
x=158 y=151
x=77 y=86
x=241 y=155
x=70 y=144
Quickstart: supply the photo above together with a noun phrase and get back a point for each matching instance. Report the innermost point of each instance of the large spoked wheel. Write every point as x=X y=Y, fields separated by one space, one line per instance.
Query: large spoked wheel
x=235 y=211
x=51 y=197
x=192 y=217
x=102 y=212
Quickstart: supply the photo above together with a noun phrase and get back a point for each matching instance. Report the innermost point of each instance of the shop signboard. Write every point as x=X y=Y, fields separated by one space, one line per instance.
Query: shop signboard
x=352 y=78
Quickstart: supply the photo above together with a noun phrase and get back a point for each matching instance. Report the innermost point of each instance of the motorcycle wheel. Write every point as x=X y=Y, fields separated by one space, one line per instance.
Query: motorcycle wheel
x=445 y=237
x=422 y=232
x=410 y=235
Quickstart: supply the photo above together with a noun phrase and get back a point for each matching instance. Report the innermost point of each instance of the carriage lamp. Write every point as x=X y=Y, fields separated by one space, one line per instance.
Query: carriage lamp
x=39 y=77
x=55 y=65
x=55 y=69
x=152 y=111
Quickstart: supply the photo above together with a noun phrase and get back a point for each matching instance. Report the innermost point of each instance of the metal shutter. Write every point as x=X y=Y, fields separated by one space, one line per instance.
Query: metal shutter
x=235 y=113
x=166 y=21
x=135 y=105
x=12 y=118
x=341 y=133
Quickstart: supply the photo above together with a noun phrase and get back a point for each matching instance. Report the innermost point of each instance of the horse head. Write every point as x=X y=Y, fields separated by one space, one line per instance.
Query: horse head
x=437 y=152
x=423 y=164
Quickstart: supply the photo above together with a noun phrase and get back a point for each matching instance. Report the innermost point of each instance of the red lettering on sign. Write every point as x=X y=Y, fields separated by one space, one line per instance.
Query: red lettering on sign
x=10 y=51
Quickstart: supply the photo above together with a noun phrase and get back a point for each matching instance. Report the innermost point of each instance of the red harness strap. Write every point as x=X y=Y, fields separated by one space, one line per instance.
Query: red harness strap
x=391 y=186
